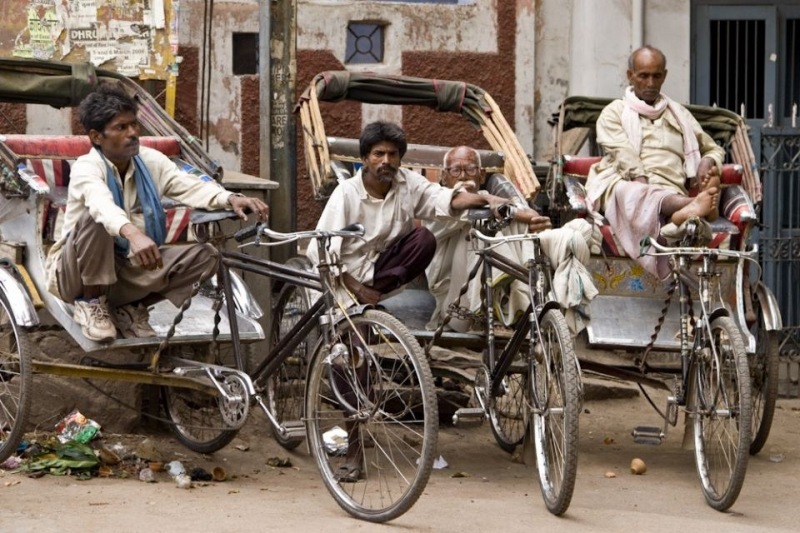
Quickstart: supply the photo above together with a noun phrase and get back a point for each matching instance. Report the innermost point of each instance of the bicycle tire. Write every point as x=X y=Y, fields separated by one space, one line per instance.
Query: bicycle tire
x=392 y=396
x=721 y=405
x=507 y=412
x=195 y=417
x=286 y=386
x=16 y=380
x=556 y=399
x=763 y=379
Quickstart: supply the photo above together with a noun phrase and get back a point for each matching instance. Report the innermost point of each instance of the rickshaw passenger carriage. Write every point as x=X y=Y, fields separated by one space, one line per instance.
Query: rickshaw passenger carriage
x=34 y=175
x=637 y=329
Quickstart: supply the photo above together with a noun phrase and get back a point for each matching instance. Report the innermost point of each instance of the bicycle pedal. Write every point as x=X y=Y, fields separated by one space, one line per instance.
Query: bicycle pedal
x=469 y=414
x=294 y=429
x=648 y=435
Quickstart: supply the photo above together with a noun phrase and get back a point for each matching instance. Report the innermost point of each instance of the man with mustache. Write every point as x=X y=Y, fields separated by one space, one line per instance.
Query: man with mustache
x=654 y=151
x=111 y=251
x=387 y=199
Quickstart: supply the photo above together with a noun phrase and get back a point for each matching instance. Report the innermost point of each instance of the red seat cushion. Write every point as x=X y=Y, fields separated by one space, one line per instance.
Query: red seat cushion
x=74 y=146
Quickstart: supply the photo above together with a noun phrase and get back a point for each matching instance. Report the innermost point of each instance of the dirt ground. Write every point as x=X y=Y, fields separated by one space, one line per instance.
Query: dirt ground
x=497 y=492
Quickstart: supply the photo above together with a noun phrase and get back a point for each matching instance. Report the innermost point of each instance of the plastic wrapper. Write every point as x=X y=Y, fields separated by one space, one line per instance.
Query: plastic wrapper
x=77 y=427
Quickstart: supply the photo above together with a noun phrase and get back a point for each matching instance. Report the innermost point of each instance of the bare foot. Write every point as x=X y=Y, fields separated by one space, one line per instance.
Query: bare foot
x=702 y=205
x=364 y=294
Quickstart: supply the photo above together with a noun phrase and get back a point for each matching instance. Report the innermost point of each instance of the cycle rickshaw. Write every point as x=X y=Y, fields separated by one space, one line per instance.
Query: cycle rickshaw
x=709 y=338
x=203 y=360
x=512 y=384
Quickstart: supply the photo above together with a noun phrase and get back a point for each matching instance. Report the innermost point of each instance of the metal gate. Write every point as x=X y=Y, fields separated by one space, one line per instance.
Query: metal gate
x=779 y=241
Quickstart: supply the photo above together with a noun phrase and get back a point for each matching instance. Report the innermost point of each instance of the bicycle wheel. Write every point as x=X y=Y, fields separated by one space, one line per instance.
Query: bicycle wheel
x=763 y=380
x=201 y=421
x=285 y=387
x=507 y=411
x=15 y=380
x=371 y=416
x=721 y=406
x=556 y=400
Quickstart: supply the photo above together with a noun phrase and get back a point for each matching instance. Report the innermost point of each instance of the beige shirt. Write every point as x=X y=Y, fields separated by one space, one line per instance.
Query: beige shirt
x=661 y=156
x=88 y=191
x=411 y=197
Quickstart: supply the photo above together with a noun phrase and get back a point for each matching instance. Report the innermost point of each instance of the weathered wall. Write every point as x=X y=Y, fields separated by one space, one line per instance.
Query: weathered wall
x=529 y=54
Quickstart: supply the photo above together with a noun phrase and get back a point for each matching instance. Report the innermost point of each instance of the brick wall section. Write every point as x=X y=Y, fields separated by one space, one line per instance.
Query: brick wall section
x=186 y=105
x=13 y=118
x=341 y=120
x=250 y=127
x=492 y=72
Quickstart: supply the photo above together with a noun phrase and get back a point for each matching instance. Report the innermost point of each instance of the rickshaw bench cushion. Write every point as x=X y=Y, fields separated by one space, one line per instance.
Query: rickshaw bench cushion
x=736 y=208
x=51 y=158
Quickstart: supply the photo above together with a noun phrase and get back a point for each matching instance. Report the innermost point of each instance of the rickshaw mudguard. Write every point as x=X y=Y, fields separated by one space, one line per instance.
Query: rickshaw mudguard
x=19 y=301
x=769 y=307
x=243 y=298
x=546 y=307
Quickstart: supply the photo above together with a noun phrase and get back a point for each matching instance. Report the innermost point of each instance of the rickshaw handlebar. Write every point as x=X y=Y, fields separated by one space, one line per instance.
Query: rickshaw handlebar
x=692 y=251
x=351 y=231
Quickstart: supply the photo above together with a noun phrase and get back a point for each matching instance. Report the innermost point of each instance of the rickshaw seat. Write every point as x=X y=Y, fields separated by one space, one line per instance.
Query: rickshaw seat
x=736 y=208
x=51 y=158
x=580 y=165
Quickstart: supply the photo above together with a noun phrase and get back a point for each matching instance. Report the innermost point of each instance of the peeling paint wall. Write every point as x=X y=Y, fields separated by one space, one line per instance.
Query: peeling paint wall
x=529 y=55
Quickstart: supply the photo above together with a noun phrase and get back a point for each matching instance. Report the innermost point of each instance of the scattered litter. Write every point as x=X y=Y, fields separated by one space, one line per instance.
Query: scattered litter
x=146 y=451
x=439 y=463
x=12 y=483
x=610 y=474
x=147 y=475
x=11 y=463
x=200 y=474
x=77 y=427
x=638 y=467
x=608 y=440
x=108 y=457
x=182 y=481
x=175 y=469
x=335 y=440
x=71 y=457
x=156 y=466
x=461 y=474
x=242 y=447
x=219 y=474
x=776 y=457
x=279 y=462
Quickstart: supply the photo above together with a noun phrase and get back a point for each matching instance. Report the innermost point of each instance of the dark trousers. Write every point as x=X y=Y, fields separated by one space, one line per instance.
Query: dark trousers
x=404 y=260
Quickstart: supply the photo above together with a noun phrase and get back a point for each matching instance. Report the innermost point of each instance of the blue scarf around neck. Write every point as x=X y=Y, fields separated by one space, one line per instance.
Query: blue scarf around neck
x=155 y=221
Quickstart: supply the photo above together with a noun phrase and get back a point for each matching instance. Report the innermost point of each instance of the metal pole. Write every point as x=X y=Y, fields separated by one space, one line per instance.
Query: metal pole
x=282 y=128
x=265 y=83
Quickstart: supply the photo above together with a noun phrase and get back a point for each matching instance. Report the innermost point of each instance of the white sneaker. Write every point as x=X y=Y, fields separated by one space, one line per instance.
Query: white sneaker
x=94 y=319
x=133 y=321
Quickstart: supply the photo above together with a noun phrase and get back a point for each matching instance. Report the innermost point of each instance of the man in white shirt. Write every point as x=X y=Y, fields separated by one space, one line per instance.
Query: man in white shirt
x=387 y=199
x=111 y=250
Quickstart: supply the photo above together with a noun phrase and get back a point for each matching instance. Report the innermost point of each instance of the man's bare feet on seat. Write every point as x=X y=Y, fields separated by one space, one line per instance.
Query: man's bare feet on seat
x=364 y=294
x=703 y=205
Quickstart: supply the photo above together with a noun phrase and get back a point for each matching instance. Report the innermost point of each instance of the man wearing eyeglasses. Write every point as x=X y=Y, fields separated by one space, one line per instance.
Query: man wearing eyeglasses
x=387 y=199
x=567 y=248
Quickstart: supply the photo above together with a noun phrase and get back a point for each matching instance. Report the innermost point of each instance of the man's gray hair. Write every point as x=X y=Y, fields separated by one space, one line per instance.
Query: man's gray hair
x=449 y=153
x=649 y=48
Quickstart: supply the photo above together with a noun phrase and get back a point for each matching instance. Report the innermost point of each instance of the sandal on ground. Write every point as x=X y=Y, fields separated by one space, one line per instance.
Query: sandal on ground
x=348 y=473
